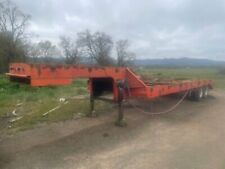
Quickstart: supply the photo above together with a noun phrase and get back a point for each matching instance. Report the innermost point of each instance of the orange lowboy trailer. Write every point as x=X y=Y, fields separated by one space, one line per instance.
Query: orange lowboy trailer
x=121 y=81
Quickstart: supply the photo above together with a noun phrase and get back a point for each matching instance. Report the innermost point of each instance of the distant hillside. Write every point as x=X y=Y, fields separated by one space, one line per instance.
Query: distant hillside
x=178 y=62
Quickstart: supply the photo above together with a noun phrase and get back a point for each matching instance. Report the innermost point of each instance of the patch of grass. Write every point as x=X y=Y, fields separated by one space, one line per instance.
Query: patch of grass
x=186 y=73
x=34 y=101
x=74 y=109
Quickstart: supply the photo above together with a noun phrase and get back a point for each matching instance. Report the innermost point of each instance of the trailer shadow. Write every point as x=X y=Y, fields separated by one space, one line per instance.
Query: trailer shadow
x=5 y=159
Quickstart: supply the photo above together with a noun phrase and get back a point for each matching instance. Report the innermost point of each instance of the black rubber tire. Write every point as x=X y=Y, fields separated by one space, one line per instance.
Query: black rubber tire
x=205 y=92
x=197 y=94
x=190 y=95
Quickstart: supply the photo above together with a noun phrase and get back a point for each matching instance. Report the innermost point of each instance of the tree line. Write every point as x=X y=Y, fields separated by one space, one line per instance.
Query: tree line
x=97 y=48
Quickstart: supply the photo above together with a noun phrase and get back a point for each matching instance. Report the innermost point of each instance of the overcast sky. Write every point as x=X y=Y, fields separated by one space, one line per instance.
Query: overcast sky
x=156 y=28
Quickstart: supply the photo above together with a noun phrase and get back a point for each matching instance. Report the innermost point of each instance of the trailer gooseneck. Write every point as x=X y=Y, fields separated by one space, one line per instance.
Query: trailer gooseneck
x=121 y=81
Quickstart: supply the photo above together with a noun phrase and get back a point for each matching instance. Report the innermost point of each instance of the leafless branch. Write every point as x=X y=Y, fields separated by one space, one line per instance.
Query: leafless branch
x=124 y=57
x=98 y=46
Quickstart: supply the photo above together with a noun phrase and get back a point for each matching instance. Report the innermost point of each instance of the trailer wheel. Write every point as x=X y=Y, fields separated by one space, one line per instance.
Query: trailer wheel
x=190 y=95
x=197 y=94
x=205 y=92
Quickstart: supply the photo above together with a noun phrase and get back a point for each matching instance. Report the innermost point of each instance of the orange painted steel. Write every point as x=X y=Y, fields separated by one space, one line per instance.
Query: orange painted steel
x=49 y=75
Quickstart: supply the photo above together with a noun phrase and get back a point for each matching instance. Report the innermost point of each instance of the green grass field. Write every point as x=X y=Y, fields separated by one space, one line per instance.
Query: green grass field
x=32 y=103
x=214 y=74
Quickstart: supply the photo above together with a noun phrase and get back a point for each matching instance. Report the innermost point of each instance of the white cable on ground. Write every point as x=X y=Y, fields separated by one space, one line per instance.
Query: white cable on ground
x=57 y=107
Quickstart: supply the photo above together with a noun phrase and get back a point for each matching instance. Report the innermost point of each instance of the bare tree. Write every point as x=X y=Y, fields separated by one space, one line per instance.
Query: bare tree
x=124 y=57
x=47 y=51
x=12 y=20
x=33 y=52
x=97 y=46
x=13 y=24
x=45 y=48
x=43 y=52
x=70 y=50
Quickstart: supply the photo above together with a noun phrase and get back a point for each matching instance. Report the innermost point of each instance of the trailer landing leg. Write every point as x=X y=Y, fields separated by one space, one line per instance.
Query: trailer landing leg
x=92 y=106
x=120 y=120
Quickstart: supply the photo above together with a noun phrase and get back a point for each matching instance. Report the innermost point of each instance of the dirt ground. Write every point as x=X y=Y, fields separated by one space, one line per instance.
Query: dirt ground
x=190 y=137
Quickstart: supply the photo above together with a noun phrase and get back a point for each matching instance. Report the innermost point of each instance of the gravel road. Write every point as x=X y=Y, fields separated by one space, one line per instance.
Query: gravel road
x=190 y=137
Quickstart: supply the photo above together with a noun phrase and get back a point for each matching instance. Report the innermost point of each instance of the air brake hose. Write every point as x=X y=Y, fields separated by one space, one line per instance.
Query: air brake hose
x=155 y=113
